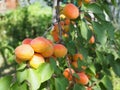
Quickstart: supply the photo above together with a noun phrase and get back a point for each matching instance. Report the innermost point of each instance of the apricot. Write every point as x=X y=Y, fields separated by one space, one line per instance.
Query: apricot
x=56 y=28
x=59 y=50
x=71 y=11
x=39 y=44
x=87 y=1
x=77 y=56
x=26 y=41
x=75 y=64
x=83 y=79
x=18 y=60
x=55 y=35
x=92 y=40
x=24 y=52
x=49 y=51
x=89 y=88
x=67 y=21
x=66 y=28
x=67 y=74
x=36 y=60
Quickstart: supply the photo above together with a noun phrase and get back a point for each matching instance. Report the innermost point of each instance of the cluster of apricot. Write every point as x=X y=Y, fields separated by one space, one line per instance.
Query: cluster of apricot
x=81 y=78
x=36 y=51
x=68 y=13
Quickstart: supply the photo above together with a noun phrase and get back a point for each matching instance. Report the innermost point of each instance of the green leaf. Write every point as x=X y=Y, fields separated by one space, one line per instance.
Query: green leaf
x=78 y=87
x=21 y=76
x=97 y=87
x=61 y=83
x=5 y=82
x=21 y=66
x=114 y=2
x=92 y=69
x=95 y=8
x=34 y=79
x=45 y=71
x=100 y=32
x=107 y=82
x=116 y=66
x=16 y=86
x=110 y=29
x=31 y=76
x=84 y=30
x=54 y=66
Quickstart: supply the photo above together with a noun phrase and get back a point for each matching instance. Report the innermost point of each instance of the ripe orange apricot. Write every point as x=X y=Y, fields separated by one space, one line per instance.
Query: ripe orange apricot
x=24 y=52
x=26 y=41
x=92 y=40
x=49 y=51
x=36 y=60
x=71 y=11
x=59 y=50
x=18 y=60
x=67 y=74
x=87 y=1
x=39 y=44
x=83 y=79
x=77 y=56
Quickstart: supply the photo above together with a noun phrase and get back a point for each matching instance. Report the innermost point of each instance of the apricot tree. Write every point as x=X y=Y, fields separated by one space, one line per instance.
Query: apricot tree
x=77 y=53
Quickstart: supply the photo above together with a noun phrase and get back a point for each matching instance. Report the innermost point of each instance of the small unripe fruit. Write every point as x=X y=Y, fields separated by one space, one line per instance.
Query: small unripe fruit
x=71 y=11
x=26 y=41
x=39 y=44
x=92 y=40
x=75 y=64
x=66 y=28
x=59 y=50
x=83 y=79
x=36 y=60
x=24 y=52
x=77 y=57
x=55 y=35
x=67 y=21
x=67 y=74
x=62 y=16
x=80 y=3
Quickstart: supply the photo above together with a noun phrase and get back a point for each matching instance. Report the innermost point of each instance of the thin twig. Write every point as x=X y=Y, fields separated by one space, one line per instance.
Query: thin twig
x=73 y=80
x=47 y=30
x=58 y=20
